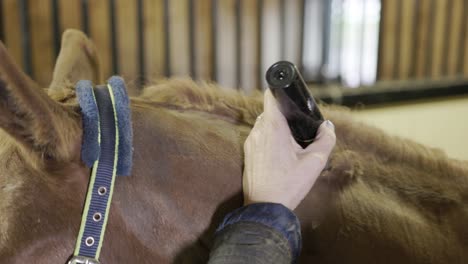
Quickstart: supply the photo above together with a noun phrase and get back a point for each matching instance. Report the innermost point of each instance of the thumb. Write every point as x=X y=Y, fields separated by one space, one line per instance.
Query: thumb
x=316 y=154
x=274 y=119
x=270 y=107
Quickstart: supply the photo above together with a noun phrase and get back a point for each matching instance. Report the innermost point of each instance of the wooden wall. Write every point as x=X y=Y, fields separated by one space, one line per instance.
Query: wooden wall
x=423 y=39
x=142 y=40
x=230 y=41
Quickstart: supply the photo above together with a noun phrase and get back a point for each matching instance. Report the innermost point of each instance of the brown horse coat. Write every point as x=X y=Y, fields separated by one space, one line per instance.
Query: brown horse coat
x=381 y=200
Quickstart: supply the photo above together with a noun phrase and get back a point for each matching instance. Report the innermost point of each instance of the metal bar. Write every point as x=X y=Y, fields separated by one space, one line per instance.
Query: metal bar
x=114 y=46
x=398 y=50
x=167 y=41
x=2 y=27
x=85 y=16
x=445 y=44
x=430 y=37
x=326 y=20
x=25 y=29
x=340 y=40
x=238 y=44
x=214 y=39
x=363 y=34
x=301 y=37
x=380 y=44
x=56 y=25
x=392 y=92
x=464 y=30
x=414 y=32
x=191 y=26
x=141 y=41
x=282 y=35
x=260 y=43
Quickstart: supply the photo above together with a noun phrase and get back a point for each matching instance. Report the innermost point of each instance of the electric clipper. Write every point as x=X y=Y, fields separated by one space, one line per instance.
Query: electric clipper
x=295 y=102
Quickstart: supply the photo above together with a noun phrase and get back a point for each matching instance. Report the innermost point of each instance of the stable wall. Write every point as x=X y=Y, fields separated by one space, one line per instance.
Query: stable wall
x=442 y=124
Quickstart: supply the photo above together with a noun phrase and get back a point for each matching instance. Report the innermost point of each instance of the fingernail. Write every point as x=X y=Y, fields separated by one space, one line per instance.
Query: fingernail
x=329 y=124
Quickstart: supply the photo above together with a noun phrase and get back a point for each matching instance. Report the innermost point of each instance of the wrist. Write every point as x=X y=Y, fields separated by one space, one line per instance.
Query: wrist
x=273 y=215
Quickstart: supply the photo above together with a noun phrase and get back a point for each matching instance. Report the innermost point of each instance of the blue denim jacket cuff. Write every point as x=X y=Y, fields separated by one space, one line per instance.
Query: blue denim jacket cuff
x=273 y=215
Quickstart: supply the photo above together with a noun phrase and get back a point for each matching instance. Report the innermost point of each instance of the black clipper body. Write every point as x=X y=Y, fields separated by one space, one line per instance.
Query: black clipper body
x=295 y=102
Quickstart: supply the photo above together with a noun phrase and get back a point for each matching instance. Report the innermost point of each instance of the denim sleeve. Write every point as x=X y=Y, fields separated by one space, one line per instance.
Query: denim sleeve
x=257 y=233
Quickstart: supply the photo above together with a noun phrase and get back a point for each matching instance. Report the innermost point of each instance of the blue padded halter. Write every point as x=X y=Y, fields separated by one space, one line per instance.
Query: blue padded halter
x=107 y=147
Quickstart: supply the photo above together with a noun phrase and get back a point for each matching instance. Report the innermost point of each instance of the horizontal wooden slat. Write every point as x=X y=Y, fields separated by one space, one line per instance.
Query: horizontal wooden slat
x=13 y=35
x=70 y=14
x=226 y=43
x=389 y=35
x=292 y=33
x=100 y=33
x=2 y=29
x=465 y=45
x=271 y=38
x=153 y=30
x=42 y=45
x=127 y=44
x=406 y=39
x=456 y=33
x=179 y=37
x=439 y=38
x=203 y=40
x=422 y=38
x=250 y=46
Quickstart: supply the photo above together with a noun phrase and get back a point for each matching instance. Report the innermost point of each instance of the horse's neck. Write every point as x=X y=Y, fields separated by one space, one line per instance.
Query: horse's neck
x=186 y=175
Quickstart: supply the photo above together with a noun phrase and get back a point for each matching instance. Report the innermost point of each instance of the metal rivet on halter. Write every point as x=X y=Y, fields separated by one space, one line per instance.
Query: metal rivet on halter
x=97 y=217
x=102 y=190
x=89 y=241
x=82 y=260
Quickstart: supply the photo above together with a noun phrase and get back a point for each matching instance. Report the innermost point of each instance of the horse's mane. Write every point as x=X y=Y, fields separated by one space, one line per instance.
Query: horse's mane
x=186 y=94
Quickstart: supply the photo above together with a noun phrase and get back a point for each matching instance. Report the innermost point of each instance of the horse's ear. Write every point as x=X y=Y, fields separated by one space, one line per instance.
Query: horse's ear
x=33 y=119
x=77 y=60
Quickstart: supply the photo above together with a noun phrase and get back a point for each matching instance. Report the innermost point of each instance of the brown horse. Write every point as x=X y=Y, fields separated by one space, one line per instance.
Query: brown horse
x=381 y=200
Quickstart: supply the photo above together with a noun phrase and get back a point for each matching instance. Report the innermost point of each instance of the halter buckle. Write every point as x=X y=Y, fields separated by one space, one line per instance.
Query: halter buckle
x=83 y=260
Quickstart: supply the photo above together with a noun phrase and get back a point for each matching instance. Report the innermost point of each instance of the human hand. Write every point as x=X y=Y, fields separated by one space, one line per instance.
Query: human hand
x=277 y=169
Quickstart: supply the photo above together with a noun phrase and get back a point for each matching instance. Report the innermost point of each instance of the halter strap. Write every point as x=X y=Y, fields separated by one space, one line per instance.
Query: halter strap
x=101 y=184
